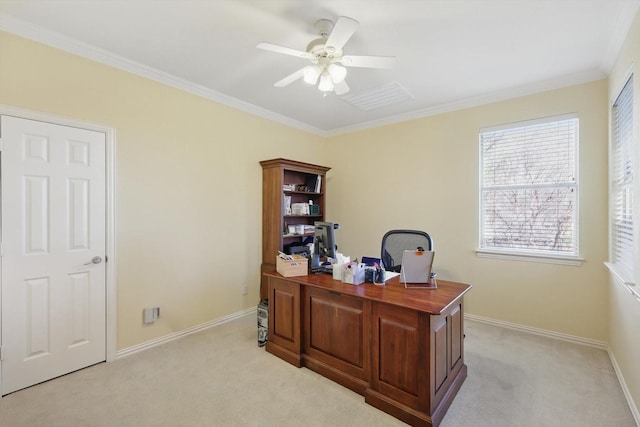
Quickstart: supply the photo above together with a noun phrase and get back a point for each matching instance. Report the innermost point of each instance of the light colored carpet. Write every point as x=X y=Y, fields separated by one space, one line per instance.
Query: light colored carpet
x=220 y=377
x=520 y=379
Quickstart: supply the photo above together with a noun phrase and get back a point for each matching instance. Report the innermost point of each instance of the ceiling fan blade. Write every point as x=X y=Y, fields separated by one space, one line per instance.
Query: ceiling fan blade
x=286 y=50
x=368 y=61
x=290 y=78
x=342 y=32
x=341 y=88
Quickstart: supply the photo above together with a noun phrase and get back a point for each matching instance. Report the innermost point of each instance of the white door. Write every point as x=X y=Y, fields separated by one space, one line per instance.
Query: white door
x=53 y=250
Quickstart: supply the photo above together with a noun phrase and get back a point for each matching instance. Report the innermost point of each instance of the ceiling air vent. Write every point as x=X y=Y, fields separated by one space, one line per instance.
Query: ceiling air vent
x=381 y=96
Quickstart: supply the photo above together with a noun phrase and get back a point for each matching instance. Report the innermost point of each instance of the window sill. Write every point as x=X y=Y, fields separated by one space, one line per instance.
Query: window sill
x=528 y=257
x=624 y=278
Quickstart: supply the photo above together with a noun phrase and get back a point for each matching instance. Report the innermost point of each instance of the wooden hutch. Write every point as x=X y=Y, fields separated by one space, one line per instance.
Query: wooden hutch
x=297 y=182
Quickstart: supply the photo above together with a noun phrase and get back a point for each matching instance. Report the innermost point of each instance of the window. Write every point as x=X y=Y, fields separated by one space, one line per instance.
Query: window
x=528 y=189
x=621 y=198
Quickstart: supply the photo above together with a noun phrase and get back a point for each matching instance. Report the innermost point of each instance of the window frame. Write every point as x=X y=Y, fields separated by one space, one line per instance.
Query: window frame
x=522 y=254
x=625 y=275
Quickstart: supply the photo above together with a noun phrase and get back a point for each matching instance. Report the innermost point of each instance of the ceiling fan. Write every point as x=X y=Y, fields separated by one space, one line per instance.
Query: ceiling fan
x=327 y=58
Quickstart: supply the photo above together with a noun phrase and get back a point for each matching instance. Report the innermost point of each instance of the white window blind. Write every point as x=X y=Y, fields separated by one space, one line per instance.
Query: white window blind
x=528 y=194
x=622 y=182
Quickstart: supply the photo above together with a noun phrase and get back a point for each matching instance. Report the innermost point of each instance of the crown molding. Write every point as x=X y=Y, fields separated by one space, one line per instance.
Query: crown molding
x=489 y=98
x=16 y=26
x=620 y=32
x=56 y=40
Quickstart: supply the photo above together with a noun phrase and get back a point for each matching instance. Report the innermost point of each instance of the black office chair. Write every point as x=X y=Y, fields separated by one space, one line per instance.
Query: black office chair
x=395 y=242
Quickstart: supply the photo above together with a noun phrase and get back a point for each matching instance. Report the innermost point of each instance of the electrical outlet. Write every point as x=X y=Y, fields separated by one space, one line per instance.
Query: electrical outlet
x=151 y=314
x=245 y=289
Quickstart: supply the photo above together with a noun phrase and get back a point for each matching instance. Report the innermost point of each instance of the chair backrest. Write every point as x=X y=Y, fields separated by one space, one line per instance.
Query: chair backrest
x=395 y=242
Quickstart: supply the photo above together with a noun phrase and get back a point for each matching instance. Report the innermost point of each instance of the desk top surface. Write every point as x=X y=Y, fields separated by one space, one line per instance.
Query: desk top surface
x=432 y=301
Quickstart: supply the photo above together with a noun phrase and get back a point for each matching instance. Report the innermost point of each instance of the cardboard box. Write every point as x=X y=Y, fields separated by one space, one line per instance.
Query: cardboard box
x=299 y=266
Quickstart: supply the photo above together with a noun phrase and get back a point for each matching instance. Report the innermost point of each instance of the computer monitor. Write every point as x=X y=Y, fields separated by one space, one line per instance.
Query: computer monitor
x=324 y=242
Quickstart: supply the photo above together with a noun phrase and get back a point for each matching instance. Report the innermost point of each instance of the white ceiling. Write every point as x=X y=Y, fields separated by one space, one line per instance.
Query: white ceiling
x=450 y=53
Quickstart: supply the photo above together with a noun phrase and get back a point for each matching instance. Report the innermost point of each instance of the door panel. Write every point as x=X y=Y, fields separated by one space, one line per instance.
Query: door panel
x=36 y=208
x=440 y=334
x=53 y=224
x=37 y=314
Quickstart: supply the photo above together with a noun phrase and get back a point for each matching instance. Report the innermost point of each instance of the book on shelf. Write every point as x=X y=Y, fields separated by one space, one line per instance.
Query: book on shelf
x=313 y=183
x=287 y=205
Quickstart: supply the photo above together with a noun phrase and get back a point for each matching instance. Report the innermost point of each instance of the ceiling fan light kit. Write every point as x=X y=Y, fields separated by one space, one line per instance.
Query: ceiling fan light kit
x=337 y=72
x=329 y=62
x=311 y=74
x=325 y=82
x=329 y=76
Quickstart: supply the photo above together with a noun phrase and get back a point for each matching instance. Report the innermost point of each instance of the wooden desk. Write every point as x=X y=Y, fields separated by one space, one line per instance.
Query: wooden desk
x=403 y=349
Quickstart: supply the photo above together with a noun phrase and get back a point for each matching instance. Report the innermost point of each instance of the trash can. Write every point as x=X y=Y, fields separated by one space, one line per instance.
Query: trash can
x=263 y=322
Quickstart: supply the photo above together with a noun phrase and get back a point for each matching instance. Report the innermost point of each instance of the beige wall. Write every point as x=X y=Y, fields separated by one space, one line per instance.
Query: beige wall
x=189 y=182
x=624 y=311
x=423 y=174
x=188 y=191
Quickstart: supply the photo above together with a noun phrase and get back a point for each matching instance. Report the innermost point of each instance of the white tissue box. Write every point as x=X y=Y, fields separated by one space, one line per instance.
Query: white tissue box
x=354 y=275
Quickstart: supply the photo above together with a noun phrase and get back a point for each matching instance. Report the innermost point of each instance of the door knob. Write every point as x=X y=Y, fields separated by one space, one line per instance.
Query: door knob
x=94 y=260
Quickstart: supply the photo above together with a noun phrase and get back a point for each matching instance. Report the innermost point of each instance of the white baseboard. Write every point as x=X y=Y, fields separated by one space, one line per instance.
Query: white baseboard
x=542 y=332
x=174 y=336
x=625 y=389
x=570 y=338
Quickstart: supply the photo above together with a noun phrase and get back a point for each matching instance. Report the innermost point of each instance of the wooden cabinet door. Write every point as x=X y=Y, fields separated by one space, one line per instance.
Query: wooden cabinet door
x=400 y=354
x=416 y=357
x=284 y=320
x=447 y=341
x=337 y=331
